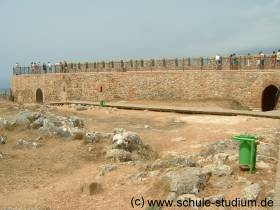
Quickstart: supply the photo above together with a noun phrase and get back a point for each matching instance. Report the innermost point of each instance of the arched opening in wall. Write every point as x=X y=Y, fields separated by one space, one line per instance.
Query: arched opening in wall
x=269 y=98
x=39 y=96
x=100 y=89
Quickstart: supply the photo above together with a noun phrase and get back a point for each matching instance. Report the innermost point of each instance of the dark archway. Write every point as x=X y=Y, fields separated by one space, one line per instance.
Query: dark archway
x=269 y=98
x=39 y=96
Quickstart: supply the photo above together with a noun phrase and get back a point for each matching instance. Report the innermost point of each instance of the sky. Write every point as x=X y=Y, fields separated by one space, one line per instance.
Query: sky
x=96 y=30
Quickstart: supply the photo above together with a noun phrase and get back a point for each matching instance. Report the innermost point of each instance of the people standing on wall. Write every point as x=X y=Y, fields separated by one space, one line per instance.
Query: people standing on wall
x=44 y=68
x=230 y=61
x=278 y=57
x=258 y=58
x=35 y=68
x=273 y=60
x=249 y=60
x=17 y=68
x=234 y=61
x=56 y=67
x=218 y=60
x=65 y=66
x=32 y=67
x=262 y=59
x=61 y=67
x=39 y=67
x=49 y=67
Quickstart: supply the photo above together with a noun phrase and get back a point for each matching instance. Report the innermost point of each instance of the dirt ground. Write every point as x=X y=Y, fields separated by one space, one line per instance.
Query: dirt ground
x=50 y=176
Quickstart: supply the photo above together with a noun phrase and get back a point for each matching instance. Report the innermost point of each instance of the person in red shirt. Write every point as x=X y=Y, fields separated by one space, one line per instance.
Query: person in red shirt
x=230 y=62
x=273 y=60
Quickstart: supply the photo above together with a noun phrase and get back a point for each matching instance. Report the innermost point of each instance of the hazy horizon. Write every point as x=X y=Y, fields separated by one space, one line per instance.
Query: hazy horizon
x=90 y=30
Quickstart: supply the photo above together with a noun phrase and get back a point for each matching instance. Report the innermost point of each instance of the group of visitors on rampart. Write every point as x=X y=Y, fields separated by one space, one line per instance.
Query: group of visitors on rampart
x=260 y=58
x=232 y=62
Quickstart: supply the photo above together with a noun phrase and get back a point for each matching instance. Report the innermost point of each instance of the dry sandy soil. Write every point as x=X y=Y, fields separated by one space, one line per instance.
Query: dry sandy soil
x=50 y=176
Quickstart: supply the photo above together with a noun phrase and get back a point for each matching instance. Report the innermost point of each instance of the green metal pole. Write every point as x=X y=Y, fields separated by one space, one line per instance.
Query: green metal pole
x=252 y=161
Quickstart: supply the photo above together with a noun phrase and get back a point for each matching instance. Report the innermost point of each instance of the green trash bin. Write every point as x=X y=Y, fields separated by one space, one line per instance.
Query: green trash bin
x=247 y=151
x=102 y=103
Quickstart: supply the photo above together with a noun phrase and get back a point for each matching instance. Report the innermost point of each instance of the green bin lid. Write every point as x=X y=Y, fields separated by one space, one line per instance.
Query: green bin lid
x=245 y=137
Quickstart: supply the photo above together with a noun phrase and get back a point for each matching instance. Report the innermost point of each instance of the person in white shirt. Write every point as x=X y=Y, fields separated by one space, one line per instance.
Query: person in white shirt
x=249 y=60
x=49 y=67
x=262 y=58
x=17 y=69
x=218 y=60
x=278 y=57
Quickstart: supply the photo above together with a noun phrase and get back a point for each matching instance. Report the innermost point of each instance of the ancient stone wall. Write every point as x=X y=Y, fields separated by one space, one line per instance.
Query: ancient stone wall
x=245 y=87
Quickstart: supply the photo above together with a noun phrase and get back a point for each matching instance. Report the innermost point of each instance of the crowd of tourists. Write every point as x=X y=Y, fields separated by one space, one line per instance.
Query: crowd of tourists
x=37 y=67
x=234 y=62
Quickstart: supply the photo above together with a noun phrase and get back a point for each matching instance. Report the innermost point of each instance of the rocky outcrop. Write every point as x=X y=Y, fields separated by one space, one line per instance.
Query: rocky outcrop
x=126 y=146
x=91 y=137
x=187 y=180
x=118 y=155
x=173 y=161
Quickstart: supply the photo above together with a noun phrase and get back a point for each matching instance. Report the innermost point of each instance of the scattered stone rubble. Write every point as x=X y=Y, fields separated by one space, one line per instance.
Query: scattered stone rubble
x=65 y=127
x=173 y=160
x=2 y=155
x=28 y=144
x=3 y=139
x=252 y=192
x=5 y=124
x=123 y=145
x=91 y=137
x=106 y=168
x=186 y=176
x=218 y=170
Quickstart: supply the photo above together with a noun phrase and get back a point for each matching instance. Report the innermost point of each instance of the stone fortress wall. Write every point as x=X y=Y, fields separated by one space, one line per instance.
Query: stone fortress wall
x=246 y=87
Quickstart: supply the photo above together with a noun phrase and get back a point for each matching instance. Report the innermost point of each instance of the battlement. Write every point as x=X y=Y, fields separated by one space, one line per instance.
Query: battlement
x=209 y=63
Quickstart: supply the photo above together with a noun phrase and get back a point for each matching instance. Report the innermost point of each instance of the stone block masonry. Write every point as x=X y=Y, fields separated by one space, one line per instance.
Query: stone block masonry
x=245 y=87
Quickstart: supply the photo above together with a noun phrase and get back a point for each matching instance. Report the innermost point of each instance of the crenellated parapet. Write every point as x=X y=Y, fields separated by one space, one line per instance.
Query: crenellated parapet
x=164 y=64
